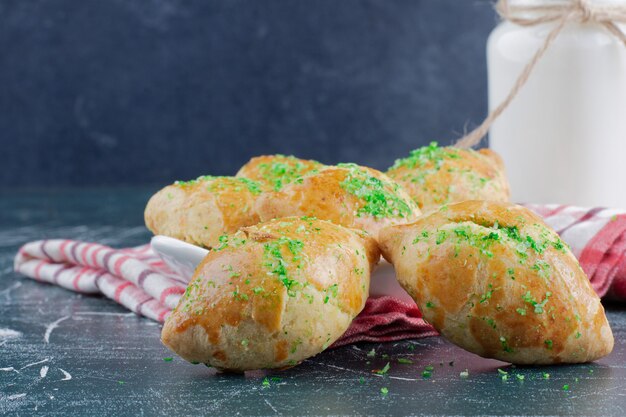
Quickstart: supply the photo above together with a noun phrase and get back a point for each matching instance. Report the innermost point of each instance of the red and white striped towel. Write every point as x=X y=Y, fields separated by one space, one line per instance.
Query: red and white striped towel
x=139 y=280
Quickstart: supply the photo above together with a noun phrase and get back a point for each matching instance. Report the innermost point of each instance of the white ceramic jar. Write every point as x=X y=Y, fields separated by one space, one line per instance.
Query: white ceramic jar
x=563 y=138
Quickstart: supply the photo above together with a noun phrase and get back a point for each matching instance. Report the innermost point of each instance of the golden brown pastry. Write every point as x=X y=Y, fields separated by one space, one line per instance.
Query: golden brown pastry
x=272 y=295
x=276 y=171
x=434 y=176
x=495 y=280
x=347 y=194
x=201 y=210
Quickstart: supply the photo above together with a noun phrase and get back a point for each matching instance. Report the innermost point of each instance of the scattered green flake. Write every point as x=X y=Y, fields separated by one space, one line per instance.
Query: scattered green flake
x=548 y=344
x=519 y=377
x=521 y=311
x=405 y=361
x=384 y=370
x=121 y=382
x=464 y=374
x=244 y=342
x=286 y=170
x=276 y=379
x=545 y=375
x=566 y=387
x=361 y=380
x=266 y=382
x=169 y=359
x=380 y=196
x=277 y=264
x=429 y=304
x=505 y=345
x=371 y=353
x=429 y=368
x=427 y=374
x=578 y=335
x=384 y=391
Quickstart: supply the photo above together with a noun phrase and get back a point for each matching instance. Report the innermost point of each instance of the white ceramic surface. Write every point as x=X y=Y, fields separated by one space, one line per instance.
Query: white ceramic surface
x=183 y=258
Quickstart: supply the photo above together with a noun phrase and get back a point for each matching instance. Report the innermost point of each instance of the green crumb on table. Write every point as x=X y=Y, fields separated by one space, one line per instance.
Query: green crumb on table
x=371 y=353
x=384 y=370
x=384 y=391
x=427 y=374
x=430 y=304
x=429 y=368
x=266 y=382
x=464 y=374
x=519 y=377
x=361 y=380
x=168 y=359
x=385 y=356
x=545 y=375
x=566 y=387
x=548 y=344
x=121 y=382
x=276 y=379
x=405 y=361
x=591 y=371
x=244 y=342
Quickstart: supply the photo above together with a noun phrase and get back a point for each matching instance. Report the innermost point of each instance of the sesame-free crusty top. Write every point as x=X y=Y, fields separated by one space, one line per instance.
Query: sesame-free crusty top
x=201 y=210
x=346 y=194
x=273 y=172
x=496 y=281
x=273 y=295
x=434 y=176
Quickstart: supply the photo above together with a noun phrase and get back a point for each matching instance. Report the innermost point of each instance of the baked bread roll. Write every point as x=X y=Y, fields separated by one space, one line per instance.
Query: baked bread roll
x=272 y=295
x=495 y=280
x=276 y=171
x=201 y=210
x=434 y=176
x=347 y=194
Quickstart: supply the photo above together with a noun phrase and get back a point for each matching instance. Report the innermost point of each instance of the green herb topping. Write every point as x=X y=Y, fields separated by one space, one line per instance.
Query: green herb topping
x=290 y=170
x=380 y=197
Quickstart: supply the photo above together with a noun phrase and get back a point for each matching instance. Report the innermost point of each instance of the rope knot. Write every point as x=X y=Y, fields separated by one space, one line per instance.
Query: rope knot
x=585 y=11
x=560 y=13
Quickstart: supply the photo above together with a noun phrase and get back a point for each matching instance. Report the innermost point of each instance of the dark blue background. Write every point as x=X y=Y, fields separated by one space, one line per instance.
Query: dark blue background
x=96 y=92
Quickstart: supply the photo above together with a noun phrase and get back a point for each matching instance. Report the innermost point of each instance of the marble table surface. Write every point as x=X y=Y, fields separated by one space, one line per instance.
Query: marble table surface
x=63 y=353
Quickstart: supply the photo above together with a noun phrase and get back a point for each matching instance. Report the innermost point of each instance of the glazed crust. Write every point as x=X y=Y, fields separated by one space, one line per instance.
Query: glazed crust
x=273 y=295
x=348 y=194
x=201 y=210
x=273 y=172
x=495 y=280
x=435 y=176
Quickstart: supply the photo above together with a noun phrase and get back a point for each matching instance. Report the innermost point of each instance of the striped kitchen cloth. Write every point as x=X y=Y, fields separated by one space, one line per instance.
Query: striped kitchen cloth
x=139 y=280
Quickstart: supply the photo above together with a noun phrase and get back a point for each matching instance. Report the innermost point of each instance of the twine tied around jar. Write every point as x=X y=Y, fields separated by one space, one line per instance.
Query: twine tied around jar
x=582 y=11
